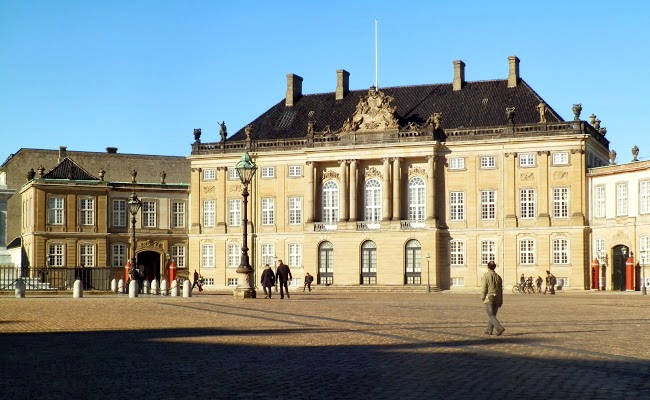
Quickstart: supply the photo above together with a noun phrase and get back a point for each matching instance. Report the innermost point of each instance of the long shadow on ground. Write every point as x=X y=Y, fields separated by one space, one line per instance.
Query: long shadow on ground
x=147 y=364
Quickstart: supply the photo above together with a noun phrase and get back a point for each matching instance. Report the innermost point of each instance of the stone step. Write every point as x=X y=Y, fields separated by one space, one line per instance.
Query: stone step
x=375 y=288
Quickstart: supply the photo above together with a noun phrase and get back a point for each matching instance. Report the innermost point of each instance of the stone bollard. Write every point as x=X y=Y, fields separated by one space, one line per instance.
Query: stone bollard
x=114 y=285
x=133 y=288
x=154 y=287
x=163 y=287
x=187 y=288
x=174 y=289
x=146 y=289
x=120 y=286
x=20 y=288
x=77 y=290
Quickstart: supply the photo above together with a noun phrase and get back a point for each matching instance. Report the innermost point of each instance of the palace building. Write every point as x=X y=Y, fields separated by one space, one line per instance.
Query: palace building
x=401 y=186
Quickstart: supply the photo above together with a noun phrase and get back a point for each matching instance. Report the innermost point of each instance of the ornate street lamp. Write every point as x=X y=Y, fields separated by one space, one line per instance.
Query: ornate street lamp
x=134 y=207
x=644 y=260
x=428 y=277
x=246 y=170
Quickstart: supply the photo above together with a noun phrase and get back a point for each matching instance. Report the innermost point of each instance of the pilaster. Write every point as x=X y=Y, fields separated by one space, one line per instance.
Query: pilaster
x=385 y=191
x=510 y=190
x=353 y=190
x=396 y=189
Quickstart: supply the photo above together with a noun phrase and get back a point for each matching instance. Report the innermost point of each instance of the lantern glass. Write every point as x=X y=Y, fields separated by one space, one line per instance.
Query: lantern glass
x=134 y=204
x=245 y=169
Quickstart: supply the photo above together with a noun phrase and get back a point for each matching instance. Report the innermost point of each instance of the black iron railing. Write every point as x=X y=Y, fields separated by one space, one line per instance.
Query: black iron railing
x=59 y=278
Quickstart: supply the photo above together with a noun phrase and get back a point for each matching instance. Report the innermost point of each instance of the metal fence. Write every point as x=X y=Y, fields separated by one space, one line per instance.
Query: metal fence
x=59 y=278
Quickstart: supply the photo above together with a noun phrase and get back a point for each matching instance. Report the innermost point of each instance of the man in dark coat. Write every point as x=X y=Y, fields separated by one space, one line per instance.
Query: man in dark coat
x=268 y=281
x=308 y=280
x=283 y=275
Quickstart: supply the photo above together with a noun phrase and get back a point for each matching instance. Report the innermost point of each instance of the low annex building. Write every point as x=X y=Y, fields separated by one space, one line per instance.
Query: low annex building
x=412 y=185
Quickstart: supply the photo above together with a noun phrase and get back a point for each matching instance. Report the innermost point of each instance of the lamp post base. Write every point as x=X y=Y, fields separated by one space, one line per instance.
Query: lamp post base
x=244 y=289
x=244 y=293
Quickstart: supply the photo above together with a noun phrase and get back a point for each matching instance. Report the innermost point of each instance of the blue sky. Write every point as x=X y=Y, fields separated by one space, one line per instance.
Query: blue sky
x=140 y=75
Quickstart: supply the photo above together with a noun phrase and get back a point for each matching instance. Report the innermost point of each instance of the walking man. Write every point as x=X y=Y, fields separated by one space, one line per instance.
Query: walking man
x=283 y=275
x=268 y=281
x=197 y=281
x=492 y=296
x=550 y=283
x=308 y=280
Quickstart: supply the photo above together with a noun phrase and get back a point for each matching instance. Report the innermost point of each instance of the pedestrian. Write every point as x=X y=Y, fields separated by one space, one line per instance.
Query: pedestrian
x=492 y=297
x=550 y=283
x=308 y=280
x=539 y=284
x=268 y=281
x=197 y=281
x=282 y=276
x=522 y=282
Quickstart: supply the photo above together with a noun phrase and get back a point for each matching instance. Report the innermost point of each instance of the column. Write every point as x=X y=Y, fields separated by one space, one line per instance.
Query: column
x=343 y=198
x=195 y=200
x=353 y=190
x=221 y=194
x=510 y=190
x=309 y=195
x=544 y=189
x=385 y=192
x=431 y=188
x=396 y=190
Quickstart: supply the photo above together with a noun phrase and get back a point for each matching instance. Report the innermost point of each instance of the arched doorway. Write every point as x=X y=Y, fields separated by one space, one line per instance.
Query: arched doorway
x=619 y=256
x=368 y=263
x=413 y=269
x=149 y=264
x=325 y=264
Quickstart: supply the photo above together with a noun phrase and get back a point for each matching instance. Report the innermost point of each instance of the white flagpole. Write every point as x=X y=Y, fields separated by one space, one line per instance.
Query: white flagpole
x=376 y=59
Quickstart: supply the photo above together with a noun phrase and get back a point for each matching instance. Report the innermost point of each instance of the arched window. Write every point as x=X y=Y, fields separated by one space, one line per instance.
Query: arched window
x=325 y=264
x=330 y=203
x=413 y=268
x=416 y=200
x=373 y=200
x=369 y=263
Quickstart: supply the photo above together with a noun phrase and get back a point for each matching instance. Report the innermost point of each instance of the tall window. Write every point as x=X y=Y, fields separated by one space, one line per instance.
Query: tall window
x=295 y=255
x=87 y=255
x=268 y=254
x=599 y=202
x=234 y=255
x=373 y=200
x=526 y=159
x=87 y=211
x=644 y=250
x=527 y=203
x=295 y=210
x=560 y=202
x=457 y=206
x=457 y=163
x=208 y=213
x=118 y=255
x=526 y=251
x=178 y=214
x=55 y=255
x=488 y=204
x=148 y=214
x=599 y=249
x=413 y=260
x=621 y=199
x=209 y=174
x=488 y=162
x=416 y=199
x=207 y=255
x=119 y=213
x=178 y=255
x=268 y=211
x=330 y=203
x=644 y=197
x=457 y=252
x=560 y=251
x=55 y=211
x=488 y=251
x=234 y=212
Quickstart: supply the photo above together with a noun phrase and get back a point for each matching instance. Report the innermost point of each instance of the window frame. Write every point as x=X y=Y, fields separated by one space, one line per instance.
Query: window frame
x=330 y=203
x=622 y=203
x=209 y=174
x=233 y=254
x=58 y=257
x=417 y=199
x=268 y=211
x=234 y=213
x=561 y=204
x=294 y=252
x=488 y=206
x=115 y=256
x=531 y=157
x=267 y=172
x=372 y=201
x=457 y=253
x=644 y=197
x=560 y=251
x=116 y=214
x=209 y=213
x=232 y=174
x=84 y=255
x=146 y=215
x=178 y=257
x=456 y=206
x=530 y=252
x=56 y=213
x=207 y=258
x=267 y=254
x=295 y=210
x=528 y=206
x=600 y=201
x=555 y=158
x=488 y=250
x=176 y=214
x=456 y=164
x=487 y=162
x=86 y=214
x=291 y=171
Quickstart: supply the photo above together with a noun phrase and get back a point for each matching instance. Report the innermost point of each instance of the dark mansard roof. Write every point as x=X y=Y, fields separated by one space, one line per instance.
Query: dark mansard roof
x=68 y=169
x=477 y=104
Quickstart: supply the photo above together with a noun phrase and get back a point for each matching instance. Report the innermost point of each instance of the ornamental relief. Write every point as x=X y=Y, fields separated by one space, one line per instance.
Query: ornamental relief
x=417 y=171
x=143 y=244
x=208 y=189
x=329 y=175
x=560 y=174
x=372 y=172
x=374 y=112
x=235 y=188
x=526 y=176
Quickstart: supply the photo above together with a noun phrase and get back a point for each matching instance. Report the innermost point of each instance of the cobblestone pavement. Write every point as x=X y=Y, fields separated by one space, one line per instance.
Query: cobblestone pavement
x=334 y=345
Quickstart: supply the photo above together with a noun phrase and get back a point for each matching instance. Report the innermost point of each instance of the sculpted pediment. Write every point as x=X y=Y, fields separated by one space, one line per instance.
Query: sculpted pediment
x=374 y=112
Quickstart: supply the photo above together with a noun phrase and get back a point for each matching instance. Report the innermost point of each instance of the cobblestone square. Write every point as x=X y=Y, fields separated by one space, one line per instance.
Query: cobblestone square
x=334 y=345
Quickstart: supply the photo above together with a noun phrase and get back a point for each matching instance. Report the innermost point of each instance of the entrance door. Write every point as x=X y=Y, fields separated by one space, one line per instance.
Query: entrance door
x=369 y=263
x=326 y=264
x=149 y=265
x=412 y=275
x=619 y=254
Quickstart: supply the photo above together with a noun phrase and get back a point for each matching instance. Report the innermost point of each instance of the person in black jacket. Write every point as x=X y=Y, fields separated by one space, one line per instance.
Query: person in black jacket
x=268 y=281
x=283 y=275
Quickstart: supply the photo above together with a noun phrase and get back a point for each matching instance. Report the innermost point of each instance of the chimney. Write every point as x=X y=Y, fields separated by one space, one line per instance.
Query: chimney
x=513 y=71
x=342 y=83
x=111 y=150
x=62 y=153
x=294 y=89
x=459 y=75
